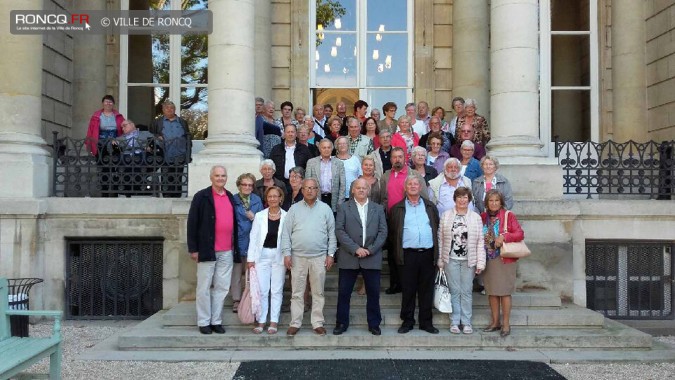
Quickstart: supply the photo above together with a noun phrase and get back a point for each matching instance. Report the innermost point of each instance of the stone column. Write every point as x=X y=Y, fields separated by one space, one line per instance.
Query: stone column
x=263 y=49
x=89 y=85
x=470 y=55
x=23 y=153
x=514 y=101
x=629 y=101
x=231 y=140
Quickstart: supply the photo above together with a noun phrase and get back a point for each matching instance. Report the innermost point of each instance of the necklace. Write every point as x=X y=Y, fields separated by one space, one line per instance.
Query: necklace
x=275 y=215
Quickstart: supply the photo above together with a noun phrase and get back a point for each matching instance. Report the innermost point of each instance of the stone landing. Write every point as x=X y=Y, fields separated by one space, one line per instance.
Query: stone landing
x=539 y=321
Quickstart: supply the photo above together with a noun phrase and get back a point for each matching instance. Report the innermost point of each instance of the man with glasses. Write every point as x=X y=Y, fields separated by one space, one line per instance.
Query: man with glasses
x=467 y=132
x=308 y=245
x=172 y=130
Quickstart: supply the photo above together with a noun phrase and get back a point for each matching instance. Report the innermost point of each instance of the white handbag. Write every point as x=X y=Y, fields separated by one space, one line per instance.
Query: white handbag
x=442 y=301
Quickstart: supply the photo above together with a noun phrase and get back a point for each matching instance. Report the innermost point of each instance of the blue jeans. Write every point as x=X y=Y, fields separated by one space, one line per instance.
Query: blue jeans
x=460 y=278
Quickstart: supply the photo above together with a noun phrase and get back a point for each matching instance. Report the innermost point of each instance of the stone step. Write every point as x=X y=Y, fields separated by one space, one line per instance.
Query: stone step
x=566 y=316
x=532 y=299
x=150 y=335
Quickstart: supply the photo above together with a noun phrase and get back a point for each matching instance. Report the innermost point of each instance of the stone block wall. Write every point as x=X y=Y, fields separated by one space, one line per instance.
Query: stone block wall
x=57 y=79
x=33 y=235
x=660 y=60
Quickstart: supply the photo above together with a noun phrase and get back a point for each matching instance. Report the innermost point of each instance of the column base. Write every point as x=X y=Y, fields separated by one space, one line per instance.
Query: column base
x=515 y=146
x=29 y=173
x=237 y=158
x=533 y=178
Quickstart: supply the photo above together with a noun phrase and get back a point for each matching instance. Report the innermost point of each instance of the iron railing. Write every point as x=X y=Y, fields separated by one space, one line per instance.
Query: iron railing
x=611 y=168
x=630 y=279
x=121 y=166
x=113 y=279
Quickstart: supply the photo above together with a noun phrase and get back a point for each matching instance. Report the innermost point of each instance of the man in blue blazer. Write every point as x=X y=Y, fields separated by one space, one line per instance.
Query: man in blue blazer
x=361 y=229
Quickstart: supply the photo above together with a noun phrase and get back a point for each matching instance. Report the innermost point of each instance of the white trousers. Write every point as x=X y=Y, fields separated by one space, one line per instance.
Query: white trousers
x=271 y=277
x=210 y=301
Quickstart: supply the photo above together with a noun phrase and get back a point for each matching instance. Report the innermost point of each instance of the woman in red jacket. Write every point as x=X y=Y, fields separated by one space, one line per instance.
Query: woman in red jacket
x=500 y=273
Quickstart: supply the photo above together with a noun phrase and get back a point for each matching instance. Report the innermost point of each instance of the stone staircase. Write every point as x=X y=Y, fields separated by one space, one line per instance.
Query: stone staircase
x=539 y=321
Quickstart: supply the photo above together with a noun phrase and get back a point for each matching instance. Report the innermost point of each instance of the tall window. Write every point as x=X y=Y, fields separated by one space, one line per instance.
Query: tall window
x=154 y=68
x=569 y=70
x=362 y=50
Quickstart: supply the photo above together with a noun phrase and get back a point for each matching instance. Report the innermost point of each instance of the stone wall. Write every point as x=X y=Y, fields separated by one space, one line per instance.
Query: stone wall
x=660 y=60
x=57 y=78
x=33 y=235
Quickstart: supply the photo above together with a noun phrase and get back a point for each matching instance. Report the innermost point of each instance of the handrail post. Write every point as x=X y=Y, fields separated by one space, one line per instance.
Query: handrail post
x=55 y=159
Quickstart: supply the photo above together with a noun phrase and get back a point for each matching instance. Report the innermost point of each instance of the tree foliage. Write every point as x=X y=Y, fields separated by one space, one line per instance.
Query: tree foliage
x=326 y=13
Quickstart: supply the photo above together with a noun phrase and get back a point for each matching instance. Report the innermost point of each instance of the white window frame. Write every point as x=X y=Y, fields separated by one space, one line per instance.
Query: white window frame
x=546 y=87
x=361 y=36
x=175 y=79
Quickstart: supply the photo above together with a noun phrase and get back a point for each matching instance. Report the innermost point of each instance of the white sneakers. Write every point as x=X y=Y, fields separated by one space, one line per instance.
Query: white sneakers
x=467 y=329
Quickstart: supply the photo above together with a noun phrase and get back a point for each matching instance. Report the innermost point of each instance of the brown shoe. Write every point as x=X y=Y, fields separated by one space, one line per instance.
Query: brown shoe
x=292 y=331
x=320 y=331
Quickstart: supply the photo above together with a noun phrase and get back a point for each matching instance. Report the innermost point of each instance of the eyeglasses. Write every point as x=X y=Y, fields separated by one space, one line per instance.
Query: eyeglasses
x=246 y=185
x=313 y=188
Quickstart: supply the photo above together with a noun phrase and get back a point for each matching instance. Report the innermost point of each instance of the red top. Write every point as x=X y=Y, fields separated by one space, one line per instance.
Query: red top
x=224 y=222
x=95 y=128
x=515 y=232
x=396 y=187
x=398 y=140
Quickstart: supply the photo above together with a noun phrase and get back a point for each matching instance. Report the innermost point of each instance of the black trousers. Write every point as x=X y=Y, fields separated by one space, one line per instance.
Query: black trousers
x=327 y=198
x=394 y=270
x=417 y=279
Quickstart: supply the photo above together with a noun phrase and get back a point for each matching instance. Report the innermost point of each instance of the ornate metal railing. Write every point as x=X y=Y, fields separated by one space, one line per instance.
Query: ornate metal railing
x=617 y=169
x=142 y=166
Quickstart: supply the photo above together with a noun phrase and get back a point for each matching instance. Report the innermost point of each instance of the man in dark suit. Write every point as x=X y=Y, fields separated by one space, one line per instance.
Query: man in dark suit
x=289 y=154
x=361 y=229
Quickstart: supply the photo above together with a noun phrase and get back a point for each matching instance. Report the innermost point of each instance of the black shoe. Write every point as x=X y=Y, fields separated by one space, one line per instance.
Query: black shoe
x=404 y=329
x=393 y=290
x=430 y=329
x=218 y=329
x=375 y=330
x=205 y=329
x=339 y=329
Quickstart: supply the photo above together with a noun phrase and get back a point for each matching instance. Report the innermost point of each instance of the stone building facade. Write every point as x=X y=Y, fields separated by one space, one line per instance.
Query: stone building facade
x=618 y=54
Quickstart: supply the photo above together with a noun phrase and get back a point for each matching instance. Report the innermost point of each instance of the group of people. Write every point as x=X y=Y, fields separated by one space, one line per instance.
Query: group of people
x=440 y=205
x=123 y=150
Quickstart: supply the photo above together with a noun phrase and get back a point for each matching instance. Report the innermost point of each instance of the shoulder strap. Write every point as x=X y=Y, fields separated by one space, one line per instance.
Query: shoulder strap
x=506 y=220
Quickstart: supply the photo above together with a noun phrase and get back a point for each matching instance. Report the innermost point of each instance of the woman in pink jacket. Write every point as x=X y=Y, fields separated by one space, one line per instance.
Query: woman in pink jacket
x=500 y=273
x=460 y=241
x=105 y=126
x=405 y=137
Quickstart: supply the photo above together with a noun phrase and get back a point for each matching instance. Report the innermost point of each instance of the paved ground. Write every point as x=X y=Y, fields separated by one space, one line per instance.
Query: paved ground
x=79 y=337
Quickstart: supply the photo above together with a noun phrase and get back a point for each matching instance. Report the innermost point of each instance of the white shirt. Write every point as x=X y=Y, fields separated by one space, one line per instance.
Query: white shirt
x=420 y=128
x=363 y=211
x=290 y=159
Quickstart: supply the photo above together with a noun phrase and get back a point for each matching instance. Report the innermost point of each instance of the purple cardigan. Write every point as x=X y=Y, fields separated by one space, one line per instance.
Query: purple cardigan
x=440 y=160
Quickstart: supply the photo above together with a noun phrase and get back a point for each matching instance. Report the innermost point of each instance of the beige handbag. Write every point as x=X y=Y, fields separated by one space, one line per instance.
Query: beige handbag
x=515 y=250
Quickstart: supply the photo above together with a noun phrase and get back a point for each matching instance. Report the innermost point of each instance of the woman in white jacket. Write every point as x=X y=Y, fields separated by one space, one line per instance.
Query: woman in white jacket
x=264 y=253
x=460 y=241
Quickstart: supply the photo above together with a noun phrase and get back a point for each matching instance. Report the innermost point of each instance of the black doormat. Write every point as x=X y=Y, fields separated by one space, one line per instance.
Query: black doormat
x=394 y=369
